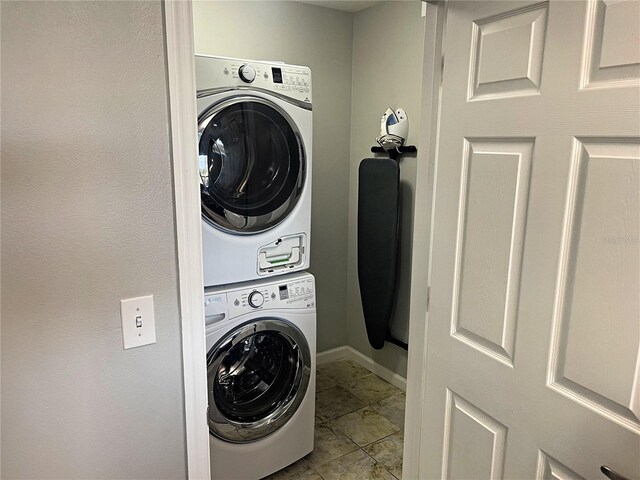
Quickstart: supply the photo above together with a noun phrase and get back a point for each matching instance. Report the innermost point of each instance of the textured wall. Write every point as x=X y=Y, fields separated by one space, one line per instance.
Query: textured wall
x=320 y=38
x=387 y=72
x=87 y=219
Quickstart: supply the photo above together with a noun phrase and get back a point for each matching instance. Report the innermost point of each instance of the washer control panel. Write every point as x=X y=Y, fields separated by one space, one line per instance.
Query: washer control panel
x=290 y=80
x=293 y=293
x=247 y=73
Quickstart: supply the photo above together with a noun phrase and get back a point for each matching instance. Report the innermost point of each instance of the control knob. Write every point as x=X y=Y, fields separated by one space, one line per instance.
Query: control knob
x=256 y=299
x=247 y=73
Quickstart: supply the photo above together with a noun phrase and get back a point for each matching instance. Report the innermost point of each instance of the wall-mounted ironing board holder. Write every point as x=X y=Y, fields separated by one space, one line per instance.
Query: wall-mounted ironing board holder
x=397 y=152
x=378 y=241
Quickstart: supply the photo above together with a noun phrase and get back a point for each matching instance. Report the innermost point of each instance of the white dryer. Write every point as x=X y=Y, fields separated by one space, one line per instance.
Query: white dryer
x=254 y=140
x=261 y=344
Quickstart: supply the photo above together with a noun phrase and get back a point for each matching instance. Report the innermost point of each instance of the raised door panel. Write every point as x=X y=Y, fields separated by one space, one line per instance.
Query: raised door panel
x=492 y=213
x=611 y=44
x=596 y=345
x=507 y=52
x=474 y=444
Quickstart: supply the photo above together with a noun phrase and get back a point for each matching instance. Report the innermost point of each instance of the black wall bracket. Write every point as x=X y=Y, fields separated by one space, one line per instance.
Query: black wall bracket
x=397 y=152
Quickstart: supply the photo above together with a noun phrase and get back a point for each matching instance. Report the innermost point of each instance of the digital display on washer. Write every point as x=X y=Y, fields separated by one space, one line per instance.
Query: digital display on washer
x=284 y=293
x=277 y=75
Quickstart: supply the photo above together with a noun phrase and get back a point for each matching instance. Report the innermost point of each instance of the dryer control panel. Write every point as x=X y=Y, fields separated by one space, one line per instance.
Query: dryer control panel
x=289 y=292
x=289 y=80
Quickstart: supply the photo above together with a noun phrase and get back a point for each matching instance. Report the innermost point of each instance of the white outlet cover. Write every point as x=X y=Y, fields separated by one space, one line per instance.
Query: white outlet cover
x=138 y=321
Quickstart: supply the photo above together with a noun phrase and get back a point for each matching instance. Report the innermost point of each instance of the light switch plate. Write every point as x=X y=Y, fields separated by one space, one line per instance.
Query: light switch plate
x=138 y=321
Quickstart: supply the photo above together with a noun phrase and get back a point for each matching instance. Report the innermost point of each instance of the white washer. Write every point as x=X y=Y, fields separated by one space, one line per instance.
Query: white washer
x=254 y=140
x=261 y=344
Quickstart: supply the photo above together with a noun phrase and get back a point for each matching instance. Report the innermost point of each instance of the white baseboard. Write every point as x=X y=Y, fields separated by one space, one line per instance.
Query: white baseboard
x=361 y=359
x=332 y=355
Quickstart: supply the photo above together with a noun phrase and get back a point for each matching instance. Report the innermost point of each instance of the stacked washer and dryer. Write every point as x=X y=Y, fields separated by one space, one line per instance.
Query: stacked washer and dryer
x=255 y=133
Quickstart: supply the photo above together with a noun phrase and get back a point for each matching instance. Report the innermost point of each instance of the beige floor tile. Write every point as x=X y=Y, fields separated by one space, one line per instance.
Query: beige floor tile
x=329 y=443
x=297 y=471
x=323 y=382
x=388 y=453
x=343 y=370
x=355 y=466
x=365 y=426
x=392 y=409
x=334 y=402
x=371 y=388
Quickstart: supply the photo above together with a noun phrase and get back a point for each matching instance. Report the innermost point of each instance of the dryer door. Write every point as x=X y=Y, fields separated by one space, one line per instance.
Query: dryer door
x=252 y=164
x=258 y=375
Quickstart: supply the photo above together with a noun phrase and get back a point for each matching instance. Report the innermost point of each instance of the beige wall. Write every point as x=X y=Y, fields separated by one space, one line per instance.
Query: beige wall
x=87 y=219
x=387 y=72
x=320 y=38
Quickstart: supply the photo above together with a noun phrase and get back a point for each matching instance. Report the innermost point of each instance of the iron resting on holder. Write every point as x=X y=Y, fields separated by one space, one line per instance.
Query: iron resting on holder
x=379 y=228
x=394 y=129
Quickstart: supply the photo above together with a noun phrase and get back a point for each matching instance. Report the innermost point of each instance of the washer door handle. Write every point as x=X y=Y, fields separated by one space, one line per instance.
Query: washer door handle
x=215 y=318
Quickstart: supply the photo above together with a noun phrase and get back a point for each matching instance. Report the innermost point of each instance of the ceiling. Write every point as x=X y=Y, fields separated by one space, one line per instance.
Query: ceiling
x=345 y=5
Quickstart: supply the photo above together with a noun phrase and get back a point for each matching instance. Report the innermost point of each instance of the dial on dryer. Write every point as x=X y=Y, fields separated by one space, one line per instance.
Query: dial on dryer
x=256 y=299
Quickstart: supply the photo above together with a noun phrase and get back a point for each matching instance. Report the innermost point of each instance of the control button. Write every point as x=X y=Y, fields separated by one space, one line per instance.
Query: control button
x=247 y=73
x=237 y=302
x=256 y=299
x=266 y=76
x=273 y=296
x=226 y=71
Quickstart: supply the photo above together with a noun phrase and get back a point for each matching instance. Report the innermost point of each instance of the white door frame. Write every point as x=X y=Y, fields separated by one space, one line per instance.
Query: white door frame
x=178 y=16
x=433 y=62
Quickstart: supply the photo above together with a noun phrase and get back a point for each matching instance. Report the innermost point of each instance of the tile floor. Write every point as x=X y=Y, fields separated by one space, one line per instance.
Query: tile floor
x=359 y=427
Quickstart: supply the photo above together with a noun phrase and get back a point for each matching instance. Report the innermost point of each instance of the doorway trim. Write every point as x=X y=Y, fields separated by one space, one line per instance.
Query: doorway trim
x=179 y=48
x=179 y=44
x=433 y=63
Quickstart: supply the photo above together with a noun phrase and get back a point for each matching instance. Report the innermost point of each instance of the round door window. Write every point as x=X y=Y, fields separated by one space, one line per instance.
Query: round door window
x=252 y=164
x=257 y=377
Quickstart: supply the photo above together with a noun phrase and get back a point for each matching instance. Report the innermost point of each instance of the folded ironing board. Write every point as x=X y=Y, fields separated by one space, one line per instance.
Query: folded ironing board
x=378 y=230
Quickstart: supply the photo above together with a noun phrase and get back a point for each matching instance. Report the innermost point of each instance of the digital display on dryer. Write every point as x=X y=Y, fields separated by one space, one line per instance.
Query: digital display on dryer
x=277 y=75
x=284 y=292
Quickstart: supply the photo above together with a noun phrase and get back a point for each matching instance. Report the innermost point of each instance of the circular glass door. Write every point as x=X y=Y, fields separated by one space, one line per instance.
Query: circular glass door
x=251 y=162
x=257 y=377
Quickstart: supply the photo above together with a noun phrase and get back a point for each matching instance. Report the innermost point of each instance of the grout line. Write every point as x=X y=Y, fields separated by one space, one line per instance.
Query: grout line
x=316 y=472
x=383 y=438
x=381 y=466
x=338 y=458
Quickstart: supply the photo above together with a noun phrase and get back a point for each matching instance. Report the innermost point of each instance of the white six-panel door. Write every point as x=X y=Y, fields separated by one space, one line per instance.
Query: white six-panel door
x=533 y=361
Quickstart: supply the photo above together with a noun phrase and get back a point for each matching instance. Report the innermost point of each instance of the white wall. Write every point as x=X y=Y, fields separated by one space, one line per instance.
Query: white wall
x=388 y=47
x=320 y=38
x=87 y=219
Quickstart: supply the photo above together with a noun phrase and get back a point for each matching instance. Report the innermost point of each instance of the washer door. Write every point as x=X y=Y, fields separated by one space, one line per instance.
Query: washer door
x=252 y=164
x=258 y=375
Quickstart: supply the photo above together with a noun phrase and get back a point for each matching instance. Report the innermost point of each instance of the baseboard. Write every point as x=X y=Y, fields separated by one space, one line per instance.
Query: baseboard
x=361 y=359
x=332 y=355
